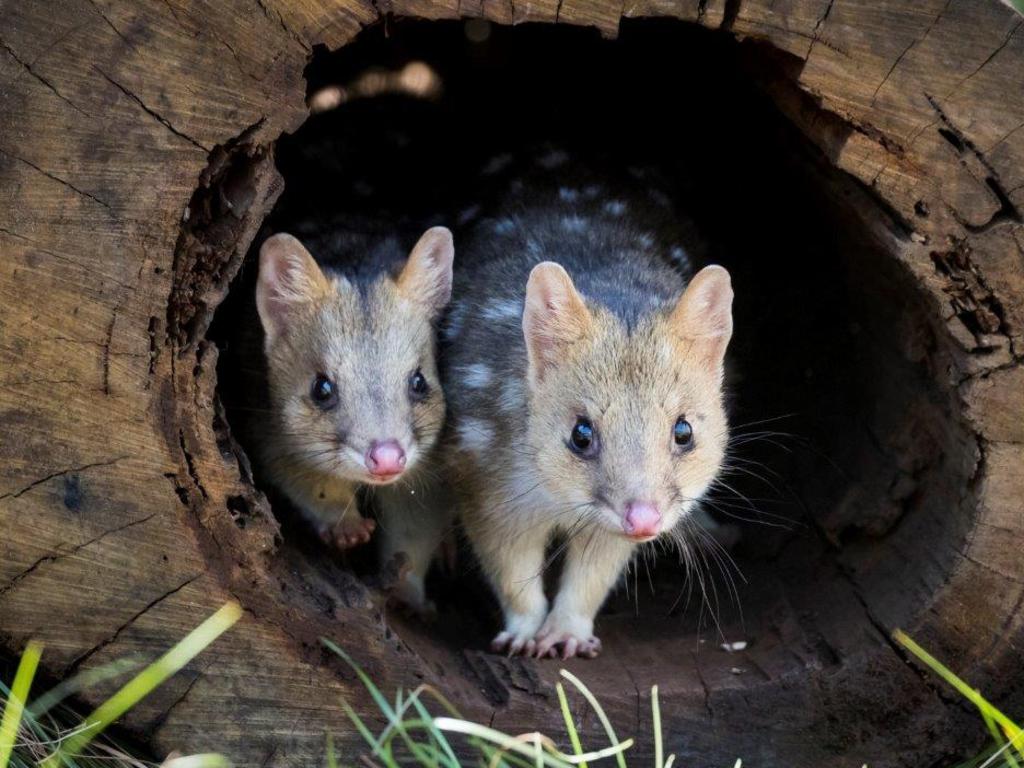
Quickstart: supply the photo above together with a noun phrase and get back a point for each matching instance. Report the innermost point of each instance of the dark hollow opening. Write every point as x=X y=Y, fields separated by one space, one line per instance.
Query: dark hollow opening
x=850 y=458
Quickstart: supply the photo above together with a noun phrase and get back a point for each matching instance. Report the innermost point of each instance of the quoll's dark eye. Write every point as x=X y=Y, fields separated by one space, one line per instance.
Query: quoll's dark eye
x=582 y=440
x=324 y=393
x=682 y=433
x=418 y=385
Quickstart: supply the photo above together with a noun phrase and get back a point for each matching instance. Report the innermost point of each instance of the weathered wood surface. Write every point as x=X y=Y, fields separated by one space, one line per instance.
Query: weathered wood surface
x=119 y=499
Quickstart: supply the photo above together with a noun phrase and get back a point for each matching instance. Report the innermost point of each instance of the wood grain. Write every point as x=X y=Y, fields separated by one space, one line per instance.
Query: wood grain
x=126 y=516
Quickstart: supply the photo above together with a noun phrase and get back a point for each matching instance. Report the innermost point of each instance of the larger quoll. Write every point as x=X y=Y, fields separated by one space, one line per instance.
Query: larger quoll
x=584 y=376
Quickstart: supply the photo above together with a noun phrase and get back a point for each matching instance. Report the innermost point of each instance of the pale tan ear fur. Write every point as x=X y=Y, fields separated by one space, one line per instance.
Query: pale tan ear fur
x=289 y=280
x=703 y=316
x=426 y=277
x=554 y=316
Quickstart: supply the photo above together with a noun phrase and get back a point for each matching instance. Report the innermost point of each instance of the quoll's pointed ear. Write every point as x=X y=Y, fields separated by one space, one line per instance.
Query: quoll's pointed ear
x=554 y=317
x=703 y=315
x=426 y=277
x=289 y=280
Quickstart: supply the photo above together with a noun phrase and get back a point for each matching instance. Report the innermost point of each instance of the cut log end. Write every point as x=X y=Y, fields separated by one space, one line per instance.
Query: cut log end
x=875 y=237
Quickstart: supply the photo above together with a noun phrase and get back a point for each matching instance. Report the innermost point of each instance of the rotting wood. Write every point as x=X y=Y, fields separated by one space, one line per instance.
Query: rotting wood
x=116 y=112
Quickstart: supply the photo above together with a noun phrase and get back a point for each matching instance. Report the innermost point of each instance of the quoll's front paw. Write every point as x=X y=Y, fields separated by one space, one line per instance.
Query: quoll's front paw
x=567 y=636
x=351 y=531
x=518 y=636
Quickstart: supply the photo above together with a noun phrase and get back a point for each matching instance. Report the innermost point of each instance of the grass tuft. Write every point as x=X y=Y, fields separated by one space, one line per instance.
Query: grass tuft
x=1008 y=736
x=17 y=699
x=425 y=743
x=37 y=735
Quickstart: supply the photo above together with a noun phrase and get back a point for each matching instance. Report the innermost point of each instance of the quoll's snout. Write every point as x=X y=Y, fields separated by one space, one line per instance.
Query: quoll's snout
x=642 y=520
x=385 y=459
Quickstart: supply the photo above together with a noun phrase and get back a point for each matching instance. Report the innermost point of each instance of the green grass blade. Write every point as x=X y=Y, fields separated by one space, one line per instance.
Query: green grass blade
x=1011 y=730
x=378 y=697
x=357 y=721
x=436 y=734
x=210 y=760
x=382 y=744
x=16 y=701
x=78 y=683
x=570 y=726
x=659 y=751
x=332 y=757
x=552 y=757
x=1003 y=746
x=148 y=680
x=598 y=710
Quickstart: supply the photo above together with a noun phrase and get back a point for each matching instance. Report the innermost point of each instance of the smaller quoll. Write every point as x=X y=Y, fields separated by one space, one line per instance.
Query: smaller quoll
x=354 y=394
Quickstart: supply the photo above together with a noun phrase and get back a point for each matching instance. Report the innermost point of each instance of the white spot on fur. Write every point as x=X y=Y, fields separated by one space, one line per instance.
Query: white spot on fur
x=510 y=309
x=475 y=435
x=503 y=226
x=476 y=376
x=468 y=214
x=677 y=253
x=453 y=323
x=573 y=223
x=497 y=164
x=646 y=240
x=552 y=159
x=567 y=194
x=533 y=247
x=615 y=207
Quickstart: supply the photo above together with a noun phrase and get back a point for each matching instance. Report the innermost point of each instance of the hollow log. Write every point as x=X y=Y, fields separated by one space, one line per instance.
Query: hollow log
x=136 y=167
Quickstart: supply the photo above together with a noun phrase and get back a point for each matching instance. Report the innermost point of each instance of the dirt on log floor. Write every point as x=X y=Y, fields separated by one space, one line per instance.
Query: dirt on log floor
x=136 y=166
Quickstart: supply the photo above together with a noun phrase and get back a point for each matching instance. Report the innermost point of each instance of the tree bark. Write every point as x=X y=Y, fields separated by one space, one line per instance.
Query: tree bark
x=136 y=164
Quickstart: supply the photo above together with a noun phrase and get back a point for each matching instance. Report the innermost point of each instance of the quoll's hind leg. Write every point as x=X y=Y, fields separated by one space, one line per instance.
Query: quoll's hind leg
x=512 y=557
x=413 y=524
x=592 y=566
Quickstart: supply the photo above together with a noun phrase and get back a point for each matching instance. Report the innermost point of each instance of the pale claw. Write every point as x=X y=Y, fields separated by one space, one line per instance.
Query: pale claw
x=514 y=644
x=569 y=644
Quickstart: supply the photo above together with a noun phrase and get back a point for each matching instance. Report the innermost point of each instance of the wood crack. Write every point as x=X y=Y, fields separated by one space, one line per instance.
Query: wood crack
x=1007 y=211
x=908 y=49
x=28 y=68
x=55 y=556
x=999 y=48
x=280 y=20
x=59 y=180
x=110 y=23
x=61 y=473
x=188 y=689
x=151 y=112
x=80 y=660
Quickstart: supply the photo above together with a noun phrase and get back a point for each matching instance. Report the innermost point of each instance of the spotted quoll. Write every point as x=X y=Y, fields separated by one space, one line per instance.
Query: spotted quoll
x=355 y=399
x=584 y=372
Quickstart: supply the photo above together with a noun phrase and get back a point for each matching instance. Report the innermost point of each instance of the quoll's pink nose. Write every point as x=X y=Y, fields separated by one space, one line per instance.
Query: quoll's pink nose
x=642 y=520
x=385 y=458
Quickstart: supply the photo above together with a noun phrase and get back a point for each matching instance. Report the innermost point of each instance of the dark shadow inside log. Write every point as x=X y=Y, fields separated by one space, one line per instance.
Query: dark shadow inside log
x=850 y=460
